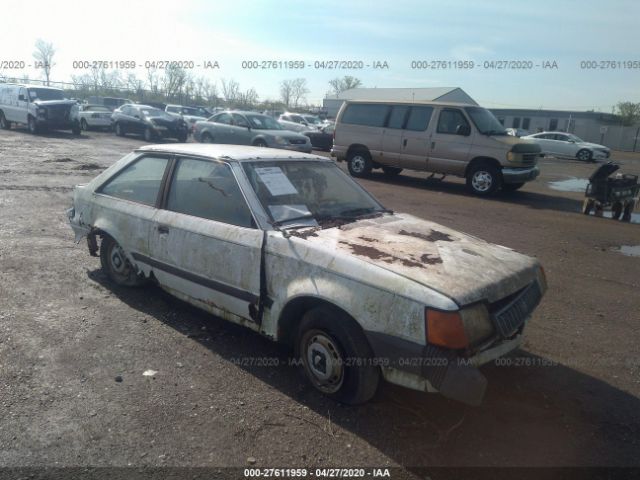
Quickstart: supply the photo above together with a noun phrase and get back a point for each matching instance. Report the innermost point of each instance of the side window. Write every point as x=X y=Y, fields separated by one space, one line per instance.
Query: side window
x=208 y=190
x=139 y=182
x=22 y=92
x=369 y=115
x=419 y=118
x=449 y=120
x=240 y=121
x=398 y=116
x=562 y=138
x=223 y=118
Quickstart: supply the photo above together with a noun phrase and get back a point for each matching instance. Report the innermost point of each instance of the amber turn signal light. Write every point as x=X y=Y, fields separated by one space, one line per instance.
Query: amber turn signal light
x=445 y=329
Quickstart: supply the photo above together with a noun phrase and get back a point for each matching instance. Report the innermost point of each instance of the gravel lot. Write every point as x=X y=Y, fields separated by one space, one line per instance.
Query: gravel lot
x=73 y=347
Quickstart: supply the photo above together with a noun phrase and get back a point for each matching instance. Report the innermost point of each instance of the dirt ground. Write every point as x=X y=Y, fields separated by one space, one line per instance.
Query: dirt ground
x=73 y=347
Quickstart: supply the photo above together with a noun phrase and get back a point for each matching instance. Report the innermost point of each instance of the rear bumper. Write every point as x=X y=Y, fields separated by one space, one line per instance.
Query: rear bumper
x=520 y=175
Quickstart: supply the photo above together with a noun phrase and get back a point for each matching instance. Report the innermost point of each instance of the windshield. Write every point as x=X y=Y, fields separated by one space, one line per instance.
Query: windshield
x=263 y=122
x=154 y=113
x=485 y=122
x=308 y=190
x=45 y=94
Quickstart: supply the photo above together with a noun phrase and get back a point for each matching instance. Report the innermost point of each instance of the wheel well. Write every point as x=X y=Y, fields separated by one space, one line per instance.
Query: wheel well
x=294 y=310
x=355 y=147
x=259 y=140
x=482 y=160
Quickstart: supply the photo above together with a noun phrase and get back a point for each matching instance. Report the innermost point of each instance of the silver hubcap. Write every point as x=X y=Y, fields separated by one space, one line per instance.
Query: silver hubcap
x=119 y=264
x=358 y=163
x=481 y=181
x=583 y=155
x=323 y=362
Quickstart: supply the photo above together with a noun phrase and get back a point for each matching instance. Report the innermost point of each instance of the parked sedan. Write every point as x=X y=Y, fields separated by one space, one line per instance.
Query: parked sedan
x=249 y=128
x=290 y=246
x=93 y=116
x=568 y=145
x=321 y=139
x=191 y=115
x=151 y=123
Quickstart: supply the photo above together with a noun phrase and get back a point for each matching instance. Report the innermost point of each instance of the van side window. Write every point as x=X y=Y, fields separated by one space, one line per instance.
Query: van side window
x=369 y=115
x=398 y=116
x=449 y=120
x=419 y=118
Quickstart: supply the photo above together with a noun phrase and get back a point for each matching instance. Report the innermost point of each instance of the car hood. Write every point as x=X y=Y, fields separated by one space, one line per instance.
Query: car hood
x=455 y=264
x=518 y=144
x=592 y=145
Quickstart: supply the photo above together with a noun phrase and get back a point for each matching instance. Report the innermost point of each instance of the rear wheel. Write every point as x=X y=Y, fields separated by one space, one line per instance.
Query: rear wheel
x=183 y=138
x=4 y=123
x=391 y=171
x=116 y=265
x=336 y=357
x=512 y=187
x=588 y=205
x=84 y=125
x=119 y=130
x=359 y=163
x=206 y=138
x=616 y=210
x=584 y=155
x=484 y=179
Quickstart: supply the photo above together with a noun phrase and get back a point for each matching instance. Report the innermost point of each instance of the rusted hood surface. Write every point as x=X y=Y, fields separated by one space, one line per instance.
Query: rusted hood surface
x=460 y=266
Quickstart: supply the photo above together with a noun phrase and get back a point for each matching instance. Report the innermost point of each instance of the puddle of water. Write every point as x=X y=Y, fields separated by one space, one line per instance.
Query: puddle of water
x=629 y=250
x=571 y=185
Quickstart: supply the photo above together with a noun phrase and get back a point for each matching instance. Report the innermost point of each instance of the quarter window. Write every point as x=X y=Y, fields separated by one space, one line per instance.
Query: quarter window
x=369 y=115
x=208 y=190
x=139 y=182
x=419 y=118
x=449 y=121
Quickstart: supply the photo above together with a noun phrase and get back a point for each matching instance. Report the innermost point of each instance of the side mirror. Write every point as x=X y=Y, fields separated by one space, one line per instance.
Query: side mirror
x=21 y=98
x=463 y=130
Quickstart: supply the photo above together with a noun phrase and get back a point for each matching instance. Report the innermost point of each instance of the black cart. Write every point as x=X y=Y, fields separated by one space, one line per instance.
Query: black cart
x=619 y=192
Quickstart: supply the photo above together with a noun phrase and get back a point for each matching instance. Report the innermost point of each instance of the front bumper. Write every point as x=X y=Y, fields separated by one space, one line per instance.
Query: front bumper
x=520 y=175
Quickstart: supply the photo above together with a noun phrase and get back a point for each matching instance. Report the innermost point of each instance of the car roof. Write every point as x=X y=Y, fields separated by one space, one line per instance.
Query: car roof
x=415 y=102
x=238 y=153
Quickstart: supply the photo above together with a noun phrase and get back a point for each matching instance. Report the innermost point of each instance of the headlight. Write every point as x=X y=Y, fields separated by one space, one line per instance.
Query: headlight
x=511 y=157
x=458 y=329
x=281 y=140
x=42 y=112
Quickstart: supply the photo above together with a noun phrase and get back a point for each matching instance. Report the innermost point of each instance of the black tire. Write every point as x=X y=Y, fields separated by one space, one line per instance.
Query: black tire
x=119 y=130
x=84 y=125
x=359 y=163
x=206 y=138
x=391 y=171
x=148 y=135
x=628 y=209
x=4 y=123
x=336 y=357
x=584 y=155
x=116 y=266
x=183 y=138
x=511 y=187
x=260 y=143
x=484 y=179
x=32 y=125
x=616 y=210
x=588 y=205
x=76 y=129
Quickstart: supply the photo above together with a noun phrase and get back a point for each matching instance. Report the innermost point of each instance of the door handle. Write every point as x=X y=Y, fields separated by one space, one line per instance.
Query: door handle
x=162 y=229
x=404 y=143
x=433 y=145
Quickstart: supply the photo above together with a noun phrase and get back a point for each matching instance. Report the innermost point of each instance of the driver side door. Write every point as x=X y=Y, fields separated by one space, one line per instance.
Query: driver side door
x=243 y=133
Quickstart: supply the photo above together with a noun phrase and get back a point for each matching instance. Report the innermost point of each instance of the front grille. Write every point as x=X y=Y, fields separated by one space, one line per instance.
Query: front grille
x=57 y=112
x=510 y=318
x=529 y=157
x=297 y=142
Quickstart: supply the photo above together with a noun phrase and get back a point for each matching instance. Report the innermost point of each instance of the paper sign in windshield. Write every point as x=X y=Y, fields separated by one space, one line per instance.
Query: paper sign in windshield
x=276 y=181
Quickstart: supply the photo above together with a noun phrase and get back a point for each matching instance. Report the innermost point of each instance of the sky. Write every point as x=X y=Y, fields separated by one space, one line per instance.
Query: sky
x=397 y=32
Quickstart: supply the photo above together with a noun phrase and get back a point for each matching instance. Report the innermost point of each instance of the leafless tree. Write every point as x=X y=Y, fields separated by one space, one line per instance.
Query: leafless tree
x=248 y=99
x=43 y=55
x=286 y=91
x=230 y=90
x=173 y=81
x=339 y=85
x=299 y=91
x=629 y=112
x=153 y=80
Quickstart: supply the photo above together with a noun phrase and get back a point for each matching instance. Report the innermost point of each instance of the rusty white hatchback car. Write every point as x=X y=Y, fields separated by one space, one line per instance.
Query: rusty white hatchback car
x=288 y=245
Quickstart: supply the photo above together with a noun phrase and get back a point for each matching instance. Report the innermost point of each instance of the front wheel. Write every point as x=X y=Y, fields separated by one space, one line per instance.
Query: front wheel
x=84 y=125
x=4 y=123
x=32 y=125
x=119 y=130
x=359 y=163
x=584 y=155
x=116 y=265
x=148 y=135
x=336 y=357
x=484 y=179
x=183 y=138
x=512 y=187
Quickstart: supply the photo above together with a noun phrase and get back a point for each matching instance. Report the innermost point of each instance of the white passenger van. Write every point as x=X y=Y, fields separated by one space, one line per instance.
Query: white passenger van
x=445 y=138
x=37 y=107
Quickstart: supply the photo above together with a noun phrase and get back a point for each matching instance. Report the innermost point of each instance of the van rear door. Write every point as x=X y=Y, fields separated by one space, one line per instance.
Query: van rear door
x=392 y=135
x=414 y=151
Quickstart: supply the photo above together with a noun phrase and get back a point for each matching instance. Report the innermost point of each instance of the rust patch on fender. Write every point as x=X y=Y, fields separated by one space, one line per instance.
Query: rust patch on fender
x=429 y=259
x=375 y=254
x=434 y=236
x=369 y=239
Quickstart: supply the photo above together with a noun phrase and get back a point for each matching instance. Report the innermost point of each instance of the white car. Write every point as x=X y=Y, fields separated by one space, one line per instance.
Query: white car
x=562 y=144
x=94 y=116
x=291 y=247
